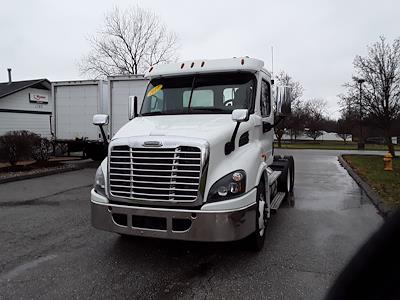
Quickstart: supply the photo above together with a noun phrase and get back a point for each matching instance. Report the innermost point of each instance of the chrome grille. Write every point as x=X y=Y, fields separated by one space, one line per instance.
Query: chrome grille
x=156 y=174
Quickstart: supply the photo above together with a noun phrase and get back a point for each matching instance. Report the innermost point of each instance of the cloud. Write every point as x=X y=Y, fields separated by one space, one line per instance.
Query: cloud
x=315 y=41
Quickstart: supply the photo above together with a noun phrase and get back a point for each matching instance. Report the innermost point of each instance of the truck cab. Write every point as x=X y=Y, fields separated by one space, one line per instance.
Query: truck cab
x=195 y=162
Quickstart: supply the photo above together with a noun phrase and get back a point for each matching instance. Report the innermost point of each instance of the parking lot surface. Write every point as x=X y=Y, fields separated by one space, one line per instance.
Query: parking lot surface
x=48 y=249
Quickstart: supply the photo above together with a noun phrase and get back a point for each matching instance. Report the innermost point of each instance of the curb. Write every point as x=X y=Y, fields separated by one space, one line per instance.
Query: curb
x=383 y=210
x=69 y=167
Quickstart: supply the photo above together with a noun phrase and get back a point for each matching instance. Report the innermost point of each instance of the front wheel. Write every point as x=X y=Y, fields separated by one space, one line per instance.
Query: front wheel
x=257 y=239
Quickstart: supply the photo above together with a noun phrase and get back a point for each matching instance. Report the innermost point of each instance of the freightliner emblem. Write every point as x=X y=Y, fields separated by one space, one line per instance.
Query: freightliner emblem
x=152 y=144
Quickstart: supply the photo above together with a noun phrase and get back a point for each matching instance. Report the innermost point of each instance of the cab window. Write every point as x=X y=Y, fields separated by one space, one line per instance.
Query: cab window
x=265 y=99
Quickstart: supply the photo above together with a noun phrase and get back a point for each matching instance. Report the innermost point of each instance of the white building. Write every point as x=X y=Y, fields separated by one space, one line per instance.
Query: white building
x=26 y=105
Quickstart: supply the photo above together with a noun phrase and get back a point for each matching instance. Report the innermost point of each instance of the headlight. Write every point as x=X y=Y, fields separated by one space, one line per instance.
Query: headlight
x=228 y=187
x=99 y=182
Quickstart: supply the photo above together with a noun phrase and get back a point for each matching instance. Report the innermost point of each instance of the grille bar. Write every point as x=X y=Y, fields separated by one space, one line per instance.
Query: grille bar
x=155 y=174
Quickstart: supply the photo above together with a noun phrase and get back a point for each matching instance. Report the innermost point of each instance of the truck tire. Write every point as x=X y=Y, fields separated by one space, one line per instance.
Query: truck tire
x=96 y=151
x=277 y=157
x=257 y=238
x=291 y=166
x=286 y=183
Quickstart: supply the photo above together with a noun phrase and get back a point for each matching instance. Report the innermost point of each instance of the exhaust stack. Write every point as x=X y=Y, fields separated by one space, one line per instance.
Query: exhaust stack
x=9 y=75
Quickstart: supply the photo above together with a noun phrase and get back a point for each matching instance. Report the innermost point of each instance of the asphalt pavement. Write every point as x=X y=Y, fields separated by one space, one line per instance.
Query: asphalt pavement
x=48 y=250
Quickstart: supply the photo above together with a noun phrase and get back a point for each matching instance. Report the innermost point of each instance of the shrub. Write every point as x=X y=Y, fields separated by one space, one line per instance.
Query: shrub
x=41 y=149
x=17 y=145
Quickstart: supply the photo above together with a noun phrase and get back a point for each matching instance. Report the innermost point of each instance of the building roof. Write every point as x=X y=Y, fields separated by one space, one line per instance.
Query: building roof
x=206 y=66
x=7 y=88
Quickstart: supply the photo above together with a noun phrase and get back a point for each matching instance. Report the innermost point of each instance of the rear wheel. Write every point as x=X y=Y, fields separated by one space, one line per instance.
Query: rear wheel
x=257 y=239
x=290 y=181
x=291 y=166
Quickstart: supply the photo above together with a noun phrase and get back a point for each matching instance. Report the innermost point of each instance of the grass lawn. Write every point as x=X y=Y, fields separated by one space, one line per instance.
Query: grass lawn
x=332 y=145
x=386 y=183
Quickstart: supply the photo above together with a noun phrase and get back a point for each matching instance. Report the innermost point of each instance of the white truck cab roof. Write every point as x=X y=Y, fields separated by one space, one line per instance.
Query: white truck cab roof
x=206 y=66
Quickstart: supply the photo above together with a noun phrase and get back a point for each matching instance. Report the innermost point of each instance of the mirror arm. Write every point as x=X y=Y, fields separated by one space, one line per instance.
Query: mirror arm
x=230 y=146
x=135 y=112
x=103 y=135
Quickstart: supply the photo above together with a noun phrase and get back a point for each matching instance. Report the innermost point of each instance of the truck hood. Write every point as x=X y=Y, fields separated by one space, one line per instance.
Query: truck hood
x=211 y=127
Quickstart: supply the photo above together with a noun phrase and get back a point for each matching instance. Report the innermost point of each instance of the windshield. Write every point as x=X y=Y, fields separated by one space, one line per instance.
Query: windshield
x=217 y=93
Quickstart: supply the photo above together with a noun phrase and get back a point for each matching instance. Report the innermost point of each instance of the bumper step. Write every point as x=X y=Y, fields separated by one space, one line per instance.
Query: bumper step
x=276 y=202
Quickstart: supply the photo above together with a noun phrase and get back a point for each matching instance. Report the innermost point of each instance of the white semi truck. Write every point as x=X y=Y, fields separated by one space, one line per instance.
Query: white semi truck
x=196 y=160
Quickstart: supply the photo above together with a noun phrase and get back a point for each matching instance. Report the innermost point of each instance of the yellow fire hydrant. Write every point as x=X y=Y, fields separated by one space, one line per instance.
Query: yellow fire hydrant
x=388 y=162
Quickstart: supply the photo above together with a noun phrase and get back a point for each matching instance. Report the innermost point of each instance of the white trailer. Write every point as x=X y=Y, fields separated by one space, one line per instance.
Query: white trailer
x=75 y=102
x=121 y=88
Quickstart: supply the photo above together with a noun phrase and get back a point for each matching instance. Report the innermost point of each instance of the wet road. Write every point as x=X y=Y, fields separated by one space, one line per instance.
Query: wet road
x=48 y=249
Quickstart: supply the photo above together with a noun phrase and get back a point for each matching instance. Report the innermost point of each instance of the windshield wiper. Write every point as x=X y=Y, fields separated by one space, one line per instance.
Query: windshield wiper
x=213 y=109
x=153 y=113
x=167 y=112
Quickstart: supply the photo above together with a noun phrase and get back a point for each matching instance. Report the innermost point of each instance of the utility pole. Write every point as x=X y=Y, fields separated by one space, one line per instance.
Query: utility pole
x=361 y=144
x=272 y=61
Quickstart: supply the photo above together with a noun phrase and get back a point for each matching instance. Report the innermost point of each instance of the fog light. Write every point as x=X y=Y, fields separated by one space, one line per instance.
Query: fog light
x=222 y=191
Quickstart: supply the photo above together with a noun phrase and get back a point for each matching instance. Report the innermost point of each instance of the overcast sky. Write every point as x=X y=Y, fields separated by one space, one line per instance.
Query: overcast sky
x=314 y=41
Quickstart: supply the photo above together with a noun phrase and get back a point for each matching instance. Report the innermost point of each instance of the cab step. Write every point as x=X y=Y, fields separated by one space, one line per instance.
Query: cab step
x=276 y=202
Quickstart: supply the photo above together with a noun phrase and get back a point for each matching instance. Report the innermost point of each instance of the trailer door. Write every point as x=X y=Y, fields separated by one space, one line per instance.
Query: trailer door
x=75 y=106
x=120 y=92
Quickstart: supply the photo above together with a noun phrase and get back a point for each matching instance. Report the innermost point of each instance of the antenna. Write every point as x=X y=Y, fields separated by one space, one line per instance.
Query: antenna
x=272 y=61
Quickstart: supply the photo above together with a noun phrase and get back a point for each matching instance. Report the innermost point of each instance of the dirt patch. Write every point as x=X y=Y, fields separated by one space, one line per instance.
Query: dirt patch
x=31 y=170
x=30 y=167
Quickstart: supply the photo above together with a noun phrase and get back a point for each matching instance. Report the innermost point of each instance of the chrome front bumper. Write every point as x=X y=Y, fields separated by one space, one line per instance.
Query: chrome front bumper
x=197 y=225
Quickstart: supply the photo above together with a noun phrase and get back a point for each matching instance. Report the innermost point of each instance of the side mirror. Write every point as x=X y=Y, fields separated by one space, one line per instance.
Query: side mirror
x=132 y=107
x=100 y=119
x=283 y=101
x=240 y=115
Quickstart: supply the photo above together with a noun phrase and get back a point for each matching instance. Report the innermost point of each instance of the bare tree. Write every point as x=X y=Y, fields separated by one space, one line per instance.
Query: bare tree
x=292 y=122
x=380 y=100
x=130 y=41
x=314 y=110
x=344 y=128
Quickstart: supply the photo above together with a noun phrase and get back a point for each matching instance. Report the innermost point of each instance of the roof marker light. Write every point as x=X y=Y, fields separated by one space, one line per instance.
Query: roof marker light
x=182 y=65
x=192 y=65
x=202 y=64
x=242 y=61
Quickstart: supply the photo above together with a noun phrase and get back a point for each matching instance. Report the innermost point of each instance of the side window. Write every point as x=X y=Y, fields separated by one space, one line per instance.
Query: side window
x=265 y=99
x=228 y=96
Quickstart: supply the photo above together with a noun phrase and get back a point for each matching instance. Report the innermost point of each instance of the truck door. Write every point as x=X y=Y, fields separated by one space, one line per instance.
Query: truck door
x=267 y=116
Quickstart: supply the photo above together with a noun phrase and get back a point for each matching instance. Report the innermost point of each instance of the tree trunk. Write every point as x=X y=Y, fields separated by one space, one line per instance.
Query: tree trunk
x=389 y=143
x=279 y=141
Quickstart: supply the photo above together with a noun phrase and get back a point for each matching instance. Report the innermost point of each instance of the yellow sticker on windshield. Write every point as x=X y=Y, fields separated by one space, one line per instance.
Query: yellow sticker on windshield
x=154 y=90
